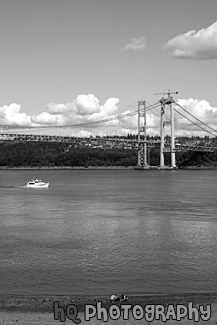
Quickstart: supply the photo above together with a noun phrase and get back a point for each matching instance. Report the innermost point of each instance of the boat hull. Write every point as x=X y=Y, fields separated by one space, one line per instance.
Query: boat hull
x=45 y=185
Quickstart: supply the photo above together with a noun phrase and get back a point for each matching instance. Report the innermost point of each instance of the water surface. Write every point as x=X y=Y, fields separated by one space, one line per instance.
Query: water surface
x=106 y=231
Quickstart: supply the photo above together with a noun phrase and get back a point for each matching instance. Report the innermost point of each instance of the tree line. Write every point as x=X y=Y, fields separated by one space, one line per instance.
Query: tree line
x=45 y=154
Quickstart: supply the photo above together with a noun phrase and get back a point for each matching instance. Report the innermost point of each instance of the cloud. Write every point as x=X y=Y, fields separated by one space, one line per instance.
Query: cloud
x=135 y=44
x=110 y=105
x=12 y=115
x=75 y=118
x=87 y=104
x=46 y=118
x=201 y=45
x=83 y=110
x=54 y=108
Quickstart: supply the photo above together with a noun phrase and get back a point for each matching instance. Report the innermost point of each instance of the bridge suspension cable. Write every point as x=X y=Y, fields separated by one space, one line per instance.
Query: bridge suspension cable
x=154 y=109
x=194 y=123
x=196 y=118
x=107 y=118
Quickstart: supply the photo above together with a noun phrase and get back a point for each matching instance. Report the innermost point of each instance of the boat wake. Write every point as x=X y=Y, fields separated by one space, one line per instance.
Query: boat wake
x=7 y=186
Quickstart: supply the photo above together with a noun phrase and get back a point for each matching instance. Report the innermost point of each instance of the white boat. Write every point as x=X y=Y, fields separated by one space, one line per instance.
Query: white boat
x=36 y=183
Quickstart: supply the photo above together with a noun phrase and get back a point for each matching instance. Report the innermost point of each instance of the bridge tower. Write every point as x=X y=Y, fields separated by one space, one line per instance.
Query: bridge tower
x=164 y=103
x=142 y=144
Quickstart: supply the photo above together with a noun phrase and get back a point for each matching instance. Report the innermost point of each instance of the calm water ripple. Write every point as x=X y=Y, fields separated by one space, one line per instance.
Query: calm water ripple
x=100 y=232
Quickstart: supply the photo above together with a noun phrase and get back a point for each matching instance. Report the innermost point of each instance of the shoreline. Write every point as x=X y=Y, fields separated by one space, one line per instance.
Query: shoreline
x=103 y=168
x=39 y=310
x=68 y=168
x=44 y=303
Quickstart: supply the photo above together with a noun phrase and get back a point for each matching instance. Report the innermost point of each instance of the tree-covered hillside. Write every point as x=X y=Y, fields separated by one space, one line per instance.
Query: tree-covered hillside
x=39 y=154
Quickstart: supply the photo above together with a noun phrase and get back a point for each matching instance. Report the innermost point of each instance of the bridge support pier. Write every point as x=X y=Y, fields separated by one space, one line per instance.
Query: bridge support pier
x=172 y=144
x=168 y=101
x=162 y=136
x=142 y=144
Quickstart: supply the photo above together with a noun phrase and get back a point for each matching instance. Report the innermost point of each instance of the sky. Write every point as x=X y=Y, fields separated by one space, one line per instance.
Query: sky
x=73 y=61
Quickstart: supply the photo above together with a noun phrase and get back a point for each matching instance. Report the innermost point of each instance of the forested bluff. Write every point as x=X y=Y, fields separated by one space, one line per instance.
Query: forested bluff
x=46 y=154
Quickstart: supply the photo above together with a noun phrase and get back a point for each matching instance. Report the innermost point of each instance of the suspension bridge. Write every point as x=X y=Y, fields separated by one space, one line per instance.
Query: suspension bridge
x=138 y=115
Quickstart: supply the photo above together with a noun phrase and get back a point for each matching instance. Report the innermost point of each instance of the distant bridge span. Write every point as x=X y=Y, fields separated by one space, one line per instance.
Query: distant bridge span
x=101 y=141
x=72 y=139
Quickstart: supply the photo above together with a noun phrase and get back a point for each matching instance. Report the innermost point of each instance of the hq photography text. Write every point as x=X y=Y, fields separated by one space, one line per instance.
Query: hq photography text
x=149 y=312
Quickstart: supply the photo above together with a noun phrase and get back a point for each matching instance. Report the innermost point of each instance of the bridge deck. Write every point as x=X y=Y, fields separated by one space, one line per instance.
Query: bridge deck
x=103 y=141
